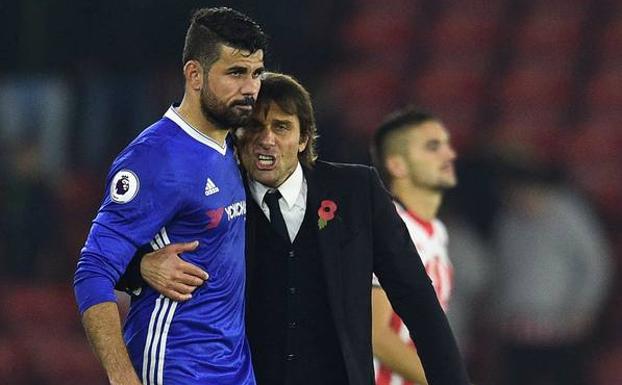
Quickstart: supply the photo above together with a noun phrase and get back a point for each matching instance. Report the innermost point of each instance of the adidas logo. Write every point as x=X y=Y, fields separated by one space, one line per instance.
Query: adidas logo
x=210 y=188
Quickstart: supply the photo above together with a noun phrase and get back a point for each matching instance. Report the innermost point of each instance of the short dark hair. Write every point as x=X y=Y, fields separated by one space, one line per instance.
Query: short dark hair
x=210 y=27
x=395 y=123
x=293 y=99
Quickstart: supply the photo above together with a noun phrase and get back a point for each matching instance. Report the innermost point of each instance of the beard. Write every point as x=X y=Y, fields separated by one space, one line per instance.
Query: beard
x=220 y=114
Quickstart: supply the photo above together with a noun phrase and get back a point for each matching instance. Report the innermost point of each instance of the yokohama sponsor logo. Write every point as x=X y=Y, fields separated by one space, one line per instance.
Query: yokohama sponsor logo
x=236 y=209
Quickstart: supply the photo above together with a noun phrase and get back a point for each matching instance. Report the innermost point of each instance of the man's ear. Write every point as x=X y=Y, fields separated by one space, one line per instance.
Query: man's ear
x=396 y=166
x=194 y=75
x=304 y=141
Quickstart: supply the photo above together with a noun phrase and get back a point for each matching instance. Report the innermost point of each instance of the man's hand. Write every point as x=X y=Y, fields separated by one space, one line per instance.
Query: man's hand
x=171 y=276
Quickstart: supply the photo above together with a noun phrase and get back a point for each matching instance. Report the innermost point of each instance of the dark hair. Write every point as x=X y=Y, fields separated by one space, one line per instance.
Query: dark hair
x=394 y=123
x=294 y=99
x=211 y=27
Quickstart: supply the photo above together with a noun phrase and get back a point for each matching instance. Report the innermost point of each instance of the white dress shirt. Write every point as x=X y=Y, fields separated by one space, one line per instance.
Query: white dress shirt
x=292 y=204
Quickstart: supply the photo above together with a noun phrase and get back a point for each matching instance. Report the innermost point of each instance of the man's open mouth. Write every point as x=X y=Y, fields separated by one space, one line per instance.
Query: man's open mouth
x=265 y=161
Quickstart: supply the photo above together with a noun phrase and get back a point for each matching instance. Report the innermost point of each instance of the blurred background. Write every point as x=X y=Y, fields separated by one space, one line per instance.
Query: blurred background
x=530 y=90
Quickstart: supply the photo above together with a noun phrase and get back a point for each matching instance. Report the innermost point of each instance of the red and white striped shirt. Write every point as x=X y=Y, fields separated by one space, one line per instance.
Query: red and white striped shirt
x=430 y=238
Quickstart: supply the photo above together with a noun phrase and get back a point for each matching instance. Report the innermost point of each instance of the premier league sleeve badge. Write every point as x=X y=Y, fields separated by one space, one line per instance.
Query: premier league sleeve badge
x=124 y=186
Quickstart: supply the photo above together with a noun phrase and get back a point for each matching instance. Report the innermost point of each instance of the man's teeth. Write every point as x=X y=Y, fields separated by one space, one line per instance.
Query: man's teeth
x=266 y=160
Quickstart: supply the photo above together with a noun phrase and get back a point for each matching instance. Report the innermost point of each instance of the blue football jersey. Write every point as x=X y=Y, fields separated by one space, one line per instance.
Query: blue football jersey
x=174 y=184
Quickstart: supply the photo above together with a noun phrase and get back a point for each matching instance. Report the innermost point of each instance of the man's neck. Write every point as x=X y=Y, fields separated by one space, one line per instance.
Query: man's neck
x=289 y=188
x=192 y=114
x=423 y=202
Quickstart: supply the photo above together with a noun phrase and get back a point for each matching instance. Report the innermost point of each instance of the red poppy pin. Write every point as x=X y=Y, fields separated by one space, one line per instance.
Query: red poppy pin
x=326 y=213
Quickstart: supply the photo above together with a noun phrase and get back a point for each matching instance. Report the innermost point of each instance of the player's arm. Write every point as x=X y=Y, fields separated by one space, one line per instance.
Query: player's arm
x=388 y=347
x=93 y=286
x=140 y=199
x=401 y=273
x=103 y=329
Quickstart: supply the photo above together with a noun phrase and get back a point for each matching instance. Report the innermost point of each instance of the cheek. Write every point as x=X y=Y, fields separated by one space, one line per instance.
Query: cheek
x=220 y=87
x=289 y=153
x=248 y=137
x=420 y=170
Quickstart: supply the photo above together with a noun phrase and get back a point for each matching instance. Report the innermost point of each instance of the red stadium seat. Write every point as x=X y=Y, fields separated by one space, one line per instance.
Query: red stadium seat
x=461 y=121
x=79 y=198
x=533 y=86
x=566 y=8
x=453 y=94
x=536 y=129
x=604 y=93
x=599 y=140
x=27 y=307
x=14 y=363
x=478 y=8
x=448 y=86
x=461 y=34
x=379 y=29
x=611 y=39
x=481 y=62
x=594 y=158
x=42 y=337
x=63 y=359
x=364 y=95
x=551 y=37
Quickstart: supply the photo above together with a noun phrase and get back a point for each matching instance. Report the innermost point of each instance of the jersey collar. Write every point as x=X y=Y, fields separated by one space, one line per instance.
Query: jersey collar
x=173 y=115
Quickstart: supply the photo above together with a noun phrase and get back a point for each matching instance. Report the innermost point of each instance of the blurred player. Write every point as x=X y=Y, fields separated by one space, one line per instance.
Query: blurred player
x=178 y=181
x=415 y=157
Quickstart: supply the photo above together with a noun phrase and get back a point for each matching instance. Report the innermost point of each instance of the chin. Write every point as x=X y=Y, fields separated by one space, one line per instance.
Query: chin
x=269 y=182
x=265 y=180
x=447 y=185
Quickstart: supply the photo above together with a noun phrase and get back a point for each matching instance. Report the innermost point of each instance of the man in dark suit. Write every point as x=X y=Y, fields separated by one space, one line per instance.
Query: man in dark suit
x=315 y=233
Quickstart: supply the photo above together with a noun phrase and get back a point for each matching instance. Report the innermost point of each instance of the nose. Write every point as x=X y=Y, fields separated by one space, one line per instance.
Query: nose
x=250 y=86
x=451 y=153
x=266 y=138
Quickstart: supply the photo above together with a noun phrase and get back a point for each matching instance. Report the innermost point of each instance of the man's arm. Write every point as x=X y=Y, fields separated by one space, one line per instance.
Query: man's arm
x=401 y=273
x=93 y=285
x=103 y=329
x=170 y=275
x=165 y=272
x=388 y=346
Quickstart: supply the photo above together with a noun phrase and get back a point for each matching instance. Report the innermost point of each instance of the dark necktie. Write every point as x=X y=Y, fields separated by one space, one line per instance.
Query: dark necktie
x=276 y=217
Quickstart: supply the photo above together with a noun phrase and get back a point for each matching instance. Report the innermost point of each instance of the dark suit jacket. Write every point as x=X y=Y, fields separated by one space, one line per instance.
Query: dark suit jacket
x=367 y=235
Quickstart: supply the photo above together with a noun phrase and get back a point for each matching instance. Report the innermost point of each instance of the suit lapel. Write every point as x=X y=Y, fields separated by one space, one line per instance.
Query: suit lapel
x=329 y=240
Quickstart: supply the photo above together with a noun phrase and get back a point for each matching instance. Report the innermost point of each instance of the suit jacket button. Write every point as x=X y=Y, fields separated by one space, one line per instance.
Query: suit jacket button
x=291 y=324
x=292 y=290
x=291 y=254
x=290 y=357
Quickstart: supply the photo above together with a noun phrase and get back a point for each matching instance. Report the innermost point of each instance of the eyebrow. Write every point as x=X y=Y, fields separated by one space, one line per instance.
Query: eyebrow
x=433 y=142
x=282 y=121
x=237 y=68
x=234 y=68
